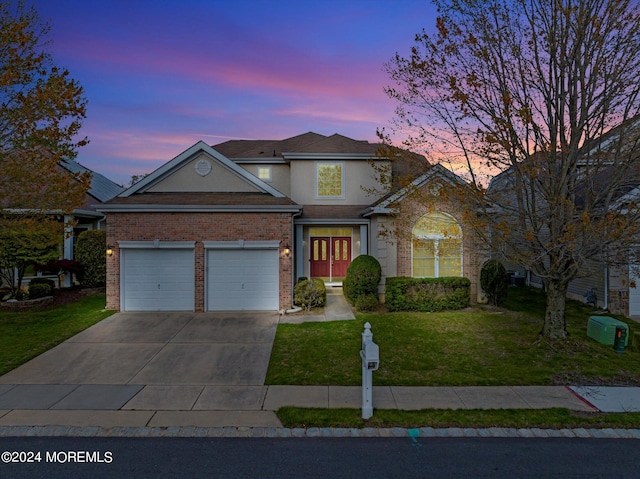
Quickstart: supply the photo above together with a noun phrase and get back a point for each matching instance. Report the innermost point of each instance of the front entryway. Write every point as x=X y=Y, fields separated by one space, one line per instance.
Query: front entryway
x=330 y=257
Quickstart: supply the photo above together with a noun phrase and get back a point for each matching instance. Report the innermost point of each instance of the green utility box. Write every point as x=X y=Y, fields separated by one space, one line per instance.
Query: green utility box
x=603 y=329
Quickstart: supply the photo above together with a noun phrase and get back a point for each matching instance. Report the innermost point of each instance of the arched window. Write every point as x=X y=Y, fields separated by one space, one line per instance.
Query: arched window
x=437 y=247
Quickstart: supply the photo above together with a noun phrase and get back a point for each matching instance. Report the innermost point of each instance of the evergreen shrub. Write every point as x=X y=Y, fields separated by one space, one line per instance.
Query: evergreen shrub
x=363 y=278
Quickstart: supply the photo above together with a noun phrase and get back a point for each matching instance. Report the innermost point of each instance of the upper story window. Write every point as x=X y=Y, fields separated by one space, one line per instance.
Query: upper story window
x=437 y=247
x=330 y=180
x=264 y=173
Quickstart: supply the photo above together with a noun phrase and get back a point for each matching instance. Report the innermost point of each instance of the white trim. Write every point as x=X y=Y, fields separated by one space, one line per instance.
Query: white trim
x=136 y=208
x=157 y=244
x=241 y=244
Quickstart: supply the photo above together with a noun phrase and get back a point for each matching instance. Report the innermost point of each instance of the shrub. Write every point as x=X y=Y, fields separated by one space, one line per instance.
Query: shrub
x=494 y=282
x=39 y=290
x=51 y=283
x=90 y=252
x=21 y=295
x=427 y=294
x=367 y=302
x=310 y=294
x=363 y=277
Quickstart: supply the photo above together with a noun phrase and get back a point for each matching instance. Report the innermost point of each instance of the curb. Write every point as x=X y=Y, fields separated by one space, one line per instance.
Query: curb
x=314 y=432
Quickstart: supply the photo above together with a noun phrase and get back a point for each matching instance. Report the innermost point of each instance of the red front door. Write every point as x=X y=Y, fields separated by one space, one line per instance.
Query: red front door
x=320 y=257
x=330 y=257
x=341 y=250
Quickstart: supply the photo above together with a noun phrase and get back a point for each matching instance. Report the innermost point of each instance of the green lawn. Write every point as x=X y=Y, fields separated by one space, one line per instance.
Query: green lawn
x=25 y=335
x=479 y=346
x=555 y=418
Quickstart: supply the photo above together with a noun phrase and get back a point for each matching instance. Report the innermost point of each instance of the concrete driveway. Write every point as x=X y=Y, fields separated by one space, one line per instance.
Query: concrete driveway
x=161 y=349
x=151 y=361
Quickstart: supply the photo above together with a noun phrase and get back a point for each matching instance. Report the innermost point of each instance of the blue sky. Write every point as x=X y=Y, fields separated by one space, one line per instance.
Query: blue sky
x=161 y=75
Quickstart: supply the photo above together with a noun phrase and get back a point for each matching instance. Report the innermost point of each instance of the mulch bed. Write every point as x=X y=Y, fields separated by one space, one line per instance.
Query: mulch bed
x=69 y=295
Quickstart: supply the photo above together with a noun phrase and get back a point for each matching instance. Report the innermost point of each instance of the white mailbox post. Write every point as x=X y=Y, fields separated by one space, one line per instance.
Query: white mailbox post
x=370 y=354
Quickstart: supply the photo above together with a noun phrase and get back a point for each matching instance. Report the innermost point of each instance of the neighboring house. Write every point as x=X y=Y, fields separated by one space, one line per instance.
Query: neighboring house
x=234 y=226
x=86 y=217
x=613 y=286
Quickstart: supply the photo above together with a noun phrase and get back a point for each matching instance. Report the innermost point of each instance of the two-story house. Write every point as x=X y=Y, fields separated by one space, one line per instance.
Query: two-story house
x=234 y=226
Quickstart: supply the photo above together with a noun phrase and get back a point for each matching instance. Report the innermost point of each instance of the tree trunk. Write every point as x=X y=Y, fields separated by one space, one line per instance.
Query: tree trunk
x=554 y=320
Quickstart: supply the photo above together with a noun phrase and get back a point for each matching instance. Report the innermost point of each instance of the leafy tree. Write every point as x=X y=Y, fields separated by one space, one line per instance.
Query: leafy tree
x=41 y=109
x=534 y=89
x=24 y=242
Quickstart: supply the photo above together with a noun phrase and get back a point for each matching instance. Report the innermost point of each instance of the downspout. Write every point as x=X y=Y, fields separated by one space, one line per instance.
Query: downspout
x=294 y=308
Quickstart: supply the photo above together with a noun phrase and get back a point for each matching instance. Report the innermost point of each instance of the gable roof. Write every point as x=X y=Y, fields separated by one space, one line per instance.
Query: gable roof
x=168 y=168
x=385 y=204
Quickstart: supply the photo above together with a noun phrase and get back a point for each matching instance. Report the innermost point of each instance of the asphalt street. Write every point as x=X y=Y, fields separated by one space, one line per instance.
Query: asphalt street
x=318 y=458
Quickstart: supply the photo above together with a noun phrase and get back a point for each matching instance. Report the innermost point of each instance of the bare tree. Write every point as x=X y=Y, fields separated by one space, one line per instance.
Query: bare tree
x=546 y=92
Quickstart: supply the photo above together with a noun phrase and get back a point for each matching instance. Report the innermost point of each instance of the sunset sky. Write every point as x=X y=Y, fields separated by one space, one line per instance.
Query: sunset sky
x=160 y=75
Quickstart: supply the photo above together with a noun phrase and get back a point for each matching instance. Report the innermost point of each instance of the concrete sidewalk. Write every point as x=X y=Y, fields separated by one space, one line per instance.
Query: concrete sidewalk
x=245 y=406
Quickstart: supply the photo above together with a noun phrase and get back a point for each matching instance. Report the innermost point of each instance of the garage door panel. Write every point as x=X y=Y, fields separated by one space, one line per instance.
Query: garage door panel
x=242 y=280
x=157 y=280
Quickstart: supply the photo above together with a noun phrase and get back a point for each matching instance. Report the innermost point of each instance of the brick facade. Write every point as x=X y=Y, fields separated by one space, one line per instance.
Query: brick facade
x=474 y=254
x=198 y=227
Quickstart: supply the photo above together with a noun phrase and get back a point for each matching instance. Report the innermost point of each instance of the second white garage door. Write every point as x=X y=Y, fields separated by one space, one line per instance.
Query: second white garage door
x=242 y=279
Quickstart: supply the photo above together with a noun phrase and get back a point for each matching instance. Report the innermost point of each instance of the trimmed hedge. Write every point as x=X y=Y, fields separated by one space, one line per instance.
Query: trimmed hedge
x=48 y=281
x=363 y=278
x=367 y=302
x=427 y=294
x=310 y=294
x=39 y=290
x=90 y=252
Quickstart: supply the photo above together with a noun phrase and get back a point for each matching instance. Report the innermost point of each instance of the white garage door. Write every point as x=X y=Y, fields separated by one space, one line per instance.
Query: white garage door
x=243 y=279
x=157 y=280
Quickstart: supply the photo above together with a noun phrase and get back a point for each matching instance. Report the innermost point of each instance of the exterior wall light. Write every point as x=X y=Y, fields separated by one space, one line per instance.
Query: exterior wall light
x=287 y=250
x=109 y=250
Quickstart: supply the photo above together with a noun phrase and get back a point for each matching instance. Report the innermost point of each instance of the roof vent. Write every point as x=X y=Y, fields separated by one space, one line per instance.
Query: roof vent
x=203 y=167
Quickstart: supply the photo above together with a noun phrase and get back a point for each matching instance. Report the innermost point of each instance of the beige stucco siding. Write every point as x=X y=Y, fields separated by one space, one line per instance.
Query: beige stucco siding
x=359 y=176
x=220 y=179
x=280 y=176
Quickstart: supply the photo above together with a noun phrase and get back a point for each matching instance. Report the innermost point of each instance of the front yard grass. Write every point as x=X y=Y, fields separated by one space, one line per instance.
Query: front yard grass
x=480 y=346
x=26 y=334
x=555 y=418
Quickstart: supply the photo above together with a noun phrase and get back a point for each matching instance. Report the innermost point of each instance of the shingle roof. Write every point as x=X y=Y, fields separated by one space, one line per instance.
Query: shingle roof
x=306 y=143
x=203 y=199
x=102 y=188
